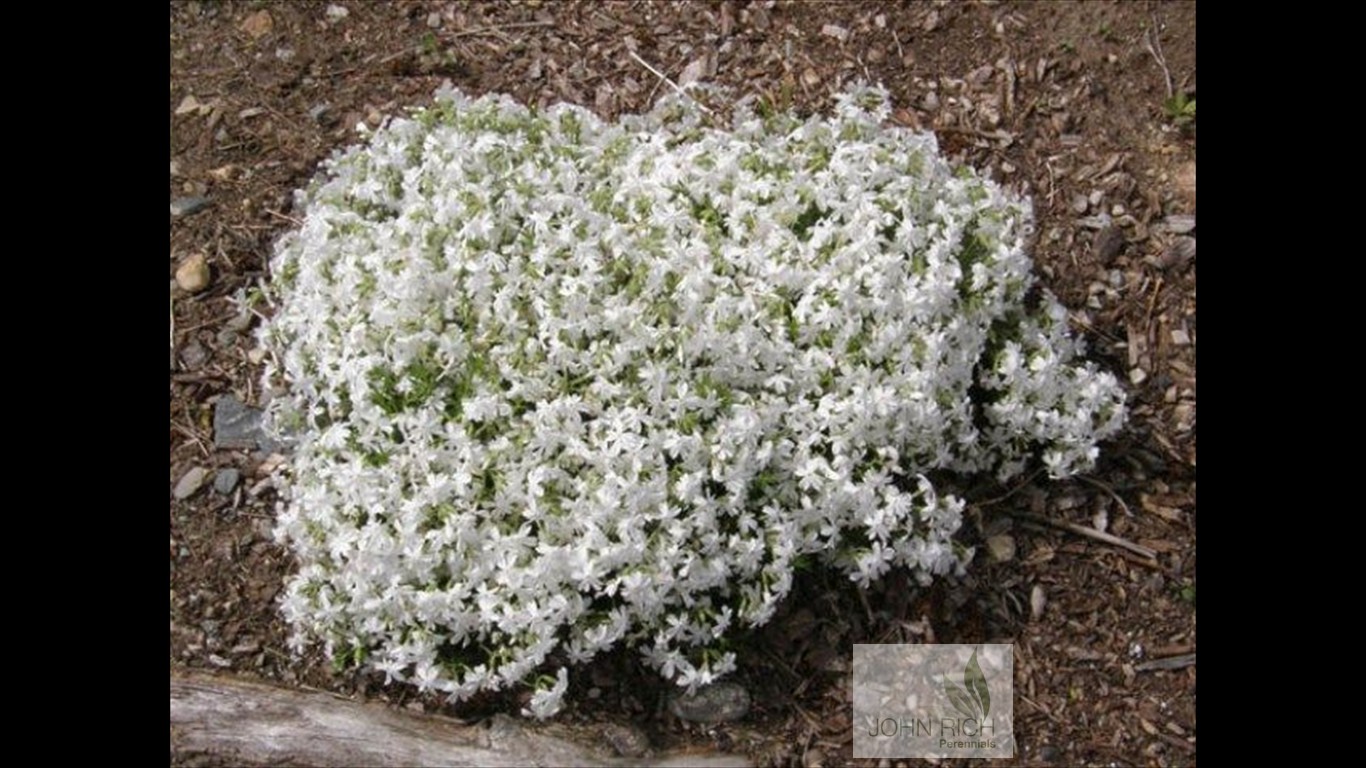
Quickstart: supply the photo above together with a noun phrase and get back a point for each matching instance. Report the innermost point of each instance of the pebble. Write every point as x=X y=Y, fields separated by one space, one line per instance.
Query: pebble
x=715 y=703
x=226 y=480
x=184 y=206
x=1037 y=602
x=1080 y=203
x=190 y=483
x=237 y=425
x=1001 y=547
x=193 y=274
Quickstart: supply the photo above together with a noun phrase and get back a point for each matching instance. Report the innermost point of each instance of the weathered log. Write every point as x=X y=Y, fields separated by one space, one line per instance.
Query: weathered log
x=221 y=720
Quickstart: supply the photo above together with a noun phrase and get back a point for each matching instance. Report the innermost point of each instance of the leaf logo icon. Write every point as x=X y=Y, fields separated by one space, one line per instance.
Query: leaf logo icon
x=971 y=699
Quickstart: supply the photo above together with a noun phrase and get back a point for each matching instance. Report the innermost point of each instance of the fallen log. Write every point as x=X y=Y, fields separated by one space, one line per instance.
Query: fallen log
x=226 y=721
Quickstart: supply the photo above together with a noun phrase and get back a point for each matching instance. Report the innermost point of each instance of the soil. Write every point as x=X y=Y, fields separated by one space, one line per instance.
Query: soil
x=1069 y=103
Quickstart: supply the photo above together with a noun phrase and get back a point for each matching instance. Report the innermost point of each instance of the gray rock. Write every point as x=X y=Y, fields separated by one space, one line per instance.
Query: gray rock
x=190 y=483
x=226 y=480
x=716 y=703
x=184 y=206
x=237 y=426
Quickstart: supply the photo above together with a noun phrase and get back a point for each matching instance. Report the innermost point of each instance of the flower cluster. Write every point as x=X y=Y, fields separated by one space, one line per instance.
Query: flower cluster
x=559 y=385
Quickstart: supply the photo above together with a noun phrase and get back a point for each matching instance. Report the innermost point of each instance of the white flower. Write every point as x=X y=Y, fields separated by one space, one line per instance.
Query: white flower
x=559 y=385
x=546 y=702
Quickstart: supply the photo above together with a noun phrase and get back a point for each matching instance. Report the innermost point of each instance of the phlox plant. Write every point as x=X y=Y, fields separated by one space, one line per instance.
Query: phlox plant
x=558 y=385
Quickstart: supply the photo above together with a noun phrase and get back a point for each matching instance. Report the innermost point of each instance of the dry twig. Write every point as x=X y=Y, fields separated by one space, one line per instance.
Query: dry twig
x=671 y=83
x=1171 y=662
x=1110 y=491
x=1152 y=40
x=1090 y=533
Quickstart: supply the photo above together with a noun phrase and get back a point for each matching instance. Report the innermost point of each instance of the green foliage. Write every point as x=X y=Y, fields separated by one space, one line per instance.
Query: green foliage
x=1180 y=109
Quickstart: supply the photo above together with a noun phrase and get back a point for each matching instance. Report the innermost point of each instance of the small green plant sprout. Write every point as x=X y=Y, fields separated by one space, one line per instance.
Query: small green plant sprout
x=1180 y=109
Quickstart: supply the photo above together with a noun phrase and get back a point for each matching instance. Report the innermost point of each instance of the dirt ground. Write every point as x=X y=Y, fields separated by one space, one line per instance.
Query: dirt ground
x=1078 y=105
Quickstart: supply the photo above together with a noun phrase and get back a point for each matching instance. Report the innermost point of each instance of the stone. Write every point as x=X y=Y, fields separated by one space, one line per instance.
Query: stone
x=184 y=206
x=716 y=703
x=193 y=274
x=237 y=426
x=1001 y=547
x=1037 y=602
x=190 y=483
x=226 y=480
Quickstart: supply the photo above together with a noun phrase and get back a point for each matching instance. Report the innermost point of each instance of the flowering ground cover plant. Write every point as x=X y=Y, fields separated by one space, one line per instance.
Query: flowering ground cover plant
x=559 y=385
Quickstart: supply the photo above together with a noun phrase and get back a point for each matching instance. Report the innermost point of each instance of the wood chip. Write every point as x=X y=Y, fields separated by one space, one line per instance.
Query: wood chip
x=1172 y=662
x=1185 y=183
x=1108 y=245
x=836 y=31
x=1178 y=254
x=1180 y=225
